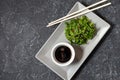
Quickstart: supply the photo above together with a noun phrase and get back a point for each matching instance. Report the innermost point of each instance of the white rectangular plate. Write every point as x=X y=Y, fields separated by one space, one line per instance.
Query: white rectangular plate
x=58 y=36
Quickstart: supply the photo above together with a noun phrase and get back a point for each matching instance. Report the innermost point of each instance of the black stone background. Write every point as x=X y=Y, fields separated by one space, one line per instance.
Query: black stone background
x=23 y=32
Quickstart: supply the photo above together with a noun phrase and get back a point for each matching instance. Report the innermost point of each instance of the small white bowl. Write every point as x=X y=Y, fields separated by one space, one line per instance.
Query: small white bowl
x=53 y=54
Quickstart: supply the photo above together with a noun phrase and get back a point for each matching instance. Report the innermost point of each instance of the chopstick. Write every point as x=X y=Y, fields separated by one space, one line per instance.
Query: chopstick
x=97 y=3
x=84 y=12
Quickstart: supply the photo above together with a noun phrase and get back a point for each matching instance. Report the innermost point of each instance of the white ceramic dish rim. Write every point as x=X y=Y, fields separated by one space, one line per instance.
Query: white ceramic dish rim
x=72 y=54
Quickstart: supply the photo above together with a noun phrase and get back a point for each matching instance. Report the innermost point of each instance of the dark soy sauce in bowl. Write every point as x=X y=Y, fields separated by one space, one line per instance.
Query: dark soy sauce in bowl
x=62 y=54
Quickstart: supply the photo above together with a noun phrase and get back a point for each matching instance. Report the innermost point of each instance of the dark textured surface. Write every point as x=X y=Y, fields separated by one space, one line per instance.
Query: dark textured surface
x=23 y=32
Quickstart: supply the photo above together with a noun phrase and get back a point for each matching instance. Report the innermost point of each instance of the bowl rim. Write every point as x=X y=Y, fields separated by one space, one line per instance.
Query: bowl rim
x=53 y=54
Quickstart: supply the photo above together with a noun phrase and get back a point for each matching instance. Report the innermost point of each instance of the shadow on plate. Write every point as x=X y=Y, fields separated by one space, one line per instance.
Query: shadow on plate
x=78 y=53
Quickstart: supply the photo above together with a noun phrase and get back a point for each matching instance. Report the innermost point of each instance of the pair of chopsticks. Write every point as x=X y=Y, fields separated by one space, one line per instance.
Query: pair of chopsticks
x=80 y=12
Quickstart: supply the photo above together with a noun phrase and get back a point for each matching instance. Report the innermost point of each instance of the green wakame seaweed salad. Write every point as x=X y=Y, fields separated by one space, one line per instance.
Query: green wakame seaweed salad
x=80 y=30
